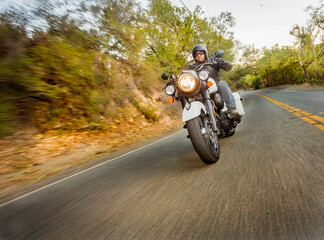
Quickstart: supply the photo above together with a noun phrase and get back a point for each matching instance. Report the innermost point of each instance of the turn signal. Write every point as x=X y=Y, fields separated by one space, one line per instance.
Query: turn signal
x=170 y=100
x=209 y=83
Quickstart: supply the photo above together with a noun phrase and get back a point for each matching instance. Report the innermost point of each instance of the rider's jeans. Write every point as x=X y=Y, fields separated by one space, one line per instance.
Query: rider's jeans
x=226 y=94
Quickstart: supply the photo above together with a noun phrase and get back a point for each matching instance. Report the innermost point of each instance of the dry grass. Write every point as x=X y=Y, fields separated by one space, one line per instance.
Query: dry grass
x=26 y=157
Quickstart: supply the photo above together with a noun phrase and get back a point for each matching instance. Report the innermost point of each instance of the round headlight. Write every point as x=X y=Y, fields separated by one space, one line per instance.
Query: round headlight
x=187 y=83
x=170 y=89
x=204 y=75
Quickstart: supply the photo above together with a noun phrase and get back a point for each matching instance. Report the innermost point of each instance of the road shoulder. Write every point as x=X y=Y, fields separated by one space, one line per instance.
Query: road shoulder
x=70 y=158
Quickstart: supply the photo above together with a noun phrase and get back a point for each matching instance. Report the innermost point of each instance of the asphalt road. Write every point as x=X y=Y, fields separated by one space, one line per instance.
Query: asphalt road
x=268 y=184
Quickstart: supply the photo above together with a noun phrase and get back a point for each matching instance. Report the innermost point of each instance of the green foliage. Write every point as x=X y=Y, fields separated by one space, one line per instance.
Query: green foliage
x=149 y=111
x=63 y=77
x=250 y=81
x=52 y=70
x=278 y=66
x=120 y=23
x=6 y=118
x=256 y=82
x=91 y=62
x=317 y=15
x=173 y=31
x=169 y=35
x=147 y=77
x=237 y=73
x=300 y=63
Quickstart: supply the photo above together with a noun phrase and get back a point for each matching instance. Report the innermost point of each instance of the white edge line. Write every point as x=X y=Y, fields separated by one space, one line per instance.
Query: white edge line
x=88 y=169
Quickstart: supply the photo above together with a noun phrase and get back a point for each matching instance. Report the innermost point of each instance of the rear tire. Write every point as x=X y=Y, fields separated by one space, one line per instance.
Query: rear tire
x=230 y=133
x=204 y=140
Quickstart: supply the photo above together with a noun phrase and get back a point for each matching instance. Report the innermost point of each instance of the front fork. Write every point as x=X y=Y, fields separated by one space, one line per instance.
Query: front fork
x=210 y=109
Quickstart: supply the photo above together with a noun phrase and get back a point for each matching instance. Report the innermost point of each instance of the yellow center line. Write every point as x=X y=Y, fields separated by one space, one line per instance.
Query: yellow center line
x=306 y=119
x=320 y=126
x=317 y=118
x=306 y=116
x=306 y=113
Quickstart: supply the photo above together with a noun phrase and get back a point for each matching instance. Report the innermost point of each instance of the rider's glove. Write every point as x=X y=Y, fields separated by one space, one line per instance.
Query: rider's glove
x=221 y=64
x=216 y=62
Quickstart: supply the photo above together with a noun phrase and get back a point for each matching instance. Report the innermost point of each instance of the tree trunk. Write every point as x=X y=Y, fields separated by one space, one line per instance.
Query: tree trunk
x=305 y=74
x=302 y=65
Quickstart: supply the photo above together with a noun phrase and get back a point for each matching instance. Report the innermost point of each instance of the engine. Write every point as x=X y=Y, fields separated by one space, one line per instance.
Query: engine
x=219 y=103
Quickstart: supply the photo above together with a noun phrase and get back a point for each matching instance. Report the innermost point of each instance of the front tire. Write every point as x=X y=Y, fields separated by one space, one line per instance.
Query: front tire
x=204 y=140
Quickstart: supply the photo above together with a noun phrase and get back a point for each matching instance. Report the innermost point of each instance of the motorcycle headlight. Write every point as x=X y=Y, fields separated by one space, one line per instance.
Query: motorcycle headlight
x=170 y=89
x=204 y=75
x=187 y=83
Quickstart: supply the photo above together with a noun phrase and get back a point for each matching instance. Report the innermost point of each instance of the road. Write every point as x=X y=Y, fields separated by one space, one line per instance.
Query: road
x=268 y=184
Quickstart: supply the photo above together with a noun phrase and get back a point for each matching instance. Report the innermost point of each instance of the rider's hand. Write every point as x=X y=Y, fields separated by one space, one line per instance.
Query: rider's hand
x=216 y=62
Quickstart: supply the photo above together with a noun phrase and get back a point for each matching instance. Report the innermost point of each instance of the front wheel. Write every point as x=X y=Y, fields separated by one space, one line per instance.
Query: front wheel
x=204 y=140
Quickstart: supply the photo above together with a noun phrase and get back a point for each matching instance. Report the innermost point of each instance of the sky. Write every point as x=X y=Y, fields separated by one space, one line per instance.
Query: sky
x=263 y=23
x=258 y=22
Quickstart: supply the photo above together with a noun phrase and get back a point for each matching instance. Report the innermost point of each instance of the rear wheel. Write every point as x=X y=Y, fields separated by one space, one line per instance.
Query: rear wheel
x=204 y=140
x=230 y=132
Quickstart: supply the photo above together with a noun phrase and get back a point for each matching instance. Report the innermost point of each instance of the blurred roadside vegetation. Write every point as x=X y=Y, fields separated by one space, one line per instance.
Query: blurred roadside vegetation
x=82 y=65
x=301 y=63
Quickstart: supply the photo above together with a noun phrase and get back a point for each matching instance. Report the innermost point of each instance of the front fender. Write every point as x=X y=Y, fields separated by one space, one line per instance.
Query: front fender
x=194 y=111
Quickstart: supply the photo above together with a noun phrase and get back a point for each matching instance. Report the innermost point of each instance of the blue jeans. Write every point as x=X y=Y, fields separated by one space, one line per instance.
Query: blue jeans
x=226 y=93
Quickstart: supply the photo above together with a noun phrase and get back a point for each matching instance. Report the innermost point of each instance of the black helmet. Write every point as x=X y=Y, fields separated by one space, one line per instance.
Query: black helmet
x=199 y=47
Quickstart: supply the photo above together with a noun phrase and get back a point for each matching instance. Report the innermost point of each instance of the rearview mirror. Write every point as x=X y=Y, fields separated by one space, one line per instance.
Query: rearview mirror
x=219 y=53
x=165 y=76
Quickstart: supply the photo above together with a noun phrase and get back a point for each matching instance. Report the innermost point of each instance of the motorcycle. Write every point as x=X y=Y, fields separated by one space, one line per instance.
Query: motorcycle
x=204 y=111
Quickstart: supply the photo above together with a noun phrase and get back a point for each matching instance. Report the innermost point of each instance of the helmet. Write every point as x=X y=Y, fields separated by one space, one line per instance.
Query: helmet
x=199 y=47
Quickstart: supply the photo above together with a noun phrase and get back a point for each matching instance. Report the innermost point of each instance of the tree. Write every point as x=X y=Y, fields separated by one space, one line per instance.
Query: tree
x=304 y=44
x=317 y=15
x=67 y=62
x=215 y=33
x=169 y=34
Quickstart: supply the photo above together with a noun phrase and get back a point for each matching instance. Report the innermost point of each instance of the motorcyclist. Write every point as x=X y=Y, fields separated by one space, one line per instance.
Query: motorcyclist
x=200 y=55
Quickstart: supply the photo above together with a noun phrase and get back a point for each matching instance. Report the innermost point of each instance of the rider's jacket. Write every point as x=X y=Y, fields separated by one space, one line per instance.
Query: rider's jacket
x=214 y=69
